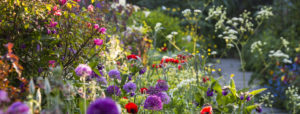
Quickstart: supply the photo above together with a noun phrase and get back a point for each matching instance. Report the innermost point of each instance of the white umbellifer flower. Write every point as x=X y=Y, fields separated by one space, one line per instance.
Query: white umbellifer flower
x=147 y=13
x=278 y=54
x=197 y=11
x=214 y=52
x=264 y=13
x=180 y=85
x=158 y=26
x=186 y=12
x=284 y=42
x=174 y=33
x=163 y=7
x=230 y=45
x=231 y=31
x=170 y=36
x=257 y=45
x=285 y=60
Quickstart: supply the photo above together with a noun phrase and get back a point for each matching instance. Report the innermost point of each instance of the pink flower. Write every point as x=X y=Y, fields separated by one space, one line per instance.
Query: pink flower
x=76 y=0
x=57 y=13
x=52 y=23
x=89 y=24
x=96 y=26
x=102 y=30
x=62 y=2
x=98 y=42
x=91 y=8
x=54 y=8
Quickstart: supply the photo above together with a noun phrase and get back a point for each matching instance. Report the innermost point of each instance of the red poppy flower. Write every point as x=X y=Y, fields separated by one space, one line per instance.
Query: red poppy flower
x=131 y=108
x=132 y=56
x=143 y=90
x=164 y=48
x=205 y=79
x=179 y=67
x=206 y=110
x=176 y=61
x=154 y=65
x=124 y=97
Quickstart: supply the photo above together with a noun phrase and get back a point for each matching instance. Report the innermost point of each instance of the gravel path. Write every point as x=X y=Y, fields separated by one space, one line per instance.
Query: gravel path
x=232 y=66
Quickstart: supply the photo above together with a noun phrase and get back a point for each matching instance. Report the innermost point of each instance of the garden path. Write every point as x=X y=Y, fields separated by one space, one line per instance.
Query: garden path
x=232 y=66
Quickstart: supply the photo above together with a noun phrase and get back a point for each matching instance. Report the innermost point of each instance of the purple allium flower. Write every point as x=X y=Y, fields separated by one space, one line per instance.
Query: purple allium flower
x=114 y=74
x=129 y=87
x=242 y=97
x=98 y=42
x=83 y=69
x=210 y=92
x=18 y=108
x=152 y=90
x=102 y=30
x=142 y=71
x=162 y=85
x=103 y=106
x=164 y=97
x=132 y=94
x=3 y=97
x=258 y=109
x=153 y=102
x=113 y=90
x=248 y=98
x=101 y=80
x=224 y=92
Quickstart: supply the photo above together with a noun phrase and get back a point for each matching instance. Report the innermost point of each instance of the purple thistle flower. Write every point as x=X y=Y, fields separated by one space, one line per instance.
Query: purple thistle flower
x=248 y=98
x=164 y=97
x=258 y=109
x=103 y=106
x=3 y=97
x=224 y=92
x=153 y=102
x=142 y=71
x=18 y=108
x=210 y=92
x=113 y=90
x=162 y=85
x=129 y=87
x=152 y=90
x=83 y=69
x=114 y=74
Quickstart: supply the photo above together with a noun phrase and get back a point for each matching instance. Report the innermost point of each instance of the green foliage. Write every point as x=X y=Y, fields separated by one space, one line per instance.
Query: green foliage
x=169 y=24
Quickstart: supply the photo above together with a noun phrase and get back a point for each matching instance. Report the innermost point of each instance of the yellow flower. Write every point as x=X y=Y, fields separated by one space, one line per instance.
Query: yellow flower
x=271 y=72
x=208 y=49
x=232 y=75
x=219 y=69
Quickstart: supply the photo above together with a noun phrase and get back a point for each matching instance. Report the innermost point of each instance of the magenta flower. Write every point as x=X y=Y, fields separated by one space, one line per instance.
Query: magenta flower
x=96 y=26
x=62 y=2
x=76 y=0
x=83 y=69
x=57 y=13
x=52 y=23
x=98 y=42
x=102 y=30
x=91 y=8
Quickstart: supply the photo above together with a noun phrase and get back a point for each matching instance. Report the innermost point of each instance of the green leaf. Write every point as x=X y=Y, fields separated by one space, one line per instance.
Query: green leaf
x=250 y=108
x=232 y=87
x=255 y=92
